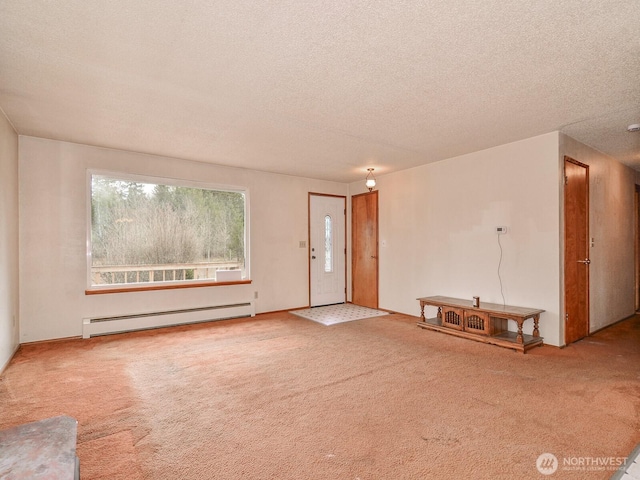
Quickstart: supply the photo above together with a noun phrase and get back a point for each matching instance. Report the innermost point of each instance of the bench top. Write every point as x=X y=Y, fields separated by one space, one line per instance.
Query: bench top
x=497 y=309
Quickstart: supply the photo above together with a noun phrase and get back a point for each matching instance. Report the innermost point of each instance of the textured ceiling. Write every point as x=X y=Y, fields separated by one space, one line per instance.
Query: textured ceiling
x=322 y=89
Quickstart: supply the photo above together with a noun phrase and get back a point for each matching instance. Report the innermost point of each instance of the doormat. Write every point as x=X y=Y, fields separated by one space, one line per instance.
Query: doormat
x=333 y=314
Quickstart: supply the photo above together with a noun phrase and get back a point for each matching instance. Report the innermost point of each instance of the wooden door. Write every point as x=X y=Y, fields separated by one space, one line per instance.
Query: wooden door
x=576 y=250
x=364 y=249
x=327 y=250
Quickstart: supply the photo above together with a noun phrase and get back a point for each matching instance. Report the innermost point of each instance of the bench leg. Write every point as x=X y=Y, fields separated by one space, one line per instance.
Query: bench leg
x=520 y=338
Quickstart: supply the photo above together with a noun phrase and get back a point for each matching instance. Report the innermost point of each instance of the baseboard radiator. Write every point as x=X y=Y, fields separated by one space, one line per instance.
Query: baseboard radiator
x=92 y=327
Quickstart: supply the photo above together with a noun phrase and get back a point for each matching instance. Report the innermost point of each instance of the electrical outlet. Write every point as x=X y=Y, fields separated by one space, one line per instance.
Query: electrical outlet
x=255 y=295
x=302 y=244
x=501 y=230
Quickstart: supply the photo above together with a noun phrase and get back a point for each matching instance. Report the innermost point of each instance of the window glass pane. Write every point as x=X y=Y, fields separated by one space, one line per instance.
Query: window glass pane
x=328 y=244
x=150 y=232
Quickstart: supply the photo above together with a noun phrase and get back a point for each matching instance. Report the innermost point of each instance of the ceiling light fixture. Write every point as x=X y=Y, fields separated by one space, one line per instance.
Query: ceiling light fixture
x=370 y=181
x=634 y=127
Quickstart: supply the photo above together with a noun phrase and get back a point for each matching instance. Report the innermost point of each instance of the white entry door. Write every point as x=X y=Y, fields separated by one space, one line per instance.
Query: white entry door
x=327 y=249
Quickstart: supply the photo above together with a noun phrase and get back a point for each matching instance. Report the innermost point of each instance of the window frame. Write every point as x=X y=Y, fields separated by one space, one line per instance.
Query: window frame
x=165 y=285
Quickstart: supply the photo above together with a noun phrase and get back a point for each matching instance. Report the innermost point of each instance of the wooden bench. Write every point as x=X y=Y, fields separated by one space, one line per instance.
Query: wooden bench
x=486 y=323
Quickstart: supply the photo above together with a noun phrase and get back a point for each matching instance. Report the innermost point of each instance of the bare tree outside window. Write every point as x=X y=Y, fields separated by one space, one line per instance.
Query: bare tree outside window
x=146 y=232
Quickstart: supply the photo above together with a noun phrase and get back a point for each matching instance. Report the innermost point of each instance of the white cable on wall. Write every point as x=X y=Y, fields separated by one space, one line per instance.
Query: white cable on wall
x=499 y=277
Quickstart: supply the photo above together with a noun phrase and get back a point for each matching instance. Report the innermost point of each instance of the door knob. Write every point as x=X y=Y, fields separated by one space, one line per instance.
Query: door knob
x=372 y=256
x=586 y=261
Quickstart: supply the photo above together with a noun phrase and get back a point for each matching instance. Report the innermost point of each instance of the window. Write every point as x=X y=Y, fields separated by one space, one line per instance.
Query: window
x=328 y=244
x=148 y=232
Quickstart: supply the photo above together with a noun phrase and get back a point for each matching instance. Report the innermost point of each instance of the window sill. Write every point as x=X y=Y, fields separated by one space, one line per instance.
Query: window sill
x=173 y=286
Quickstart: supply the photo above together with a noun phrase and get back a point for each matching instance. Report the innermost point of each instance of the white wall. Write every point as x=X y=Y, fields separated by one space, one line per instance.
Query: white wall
x=53 y=226
x=612 y=226
x=437 y=227
x=9 y=311
x=436 y=230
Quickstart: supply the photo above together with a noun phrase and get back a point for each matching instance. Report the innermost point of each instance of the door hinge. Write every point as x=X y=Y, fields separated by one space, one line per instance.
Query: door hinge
x=566 y=180
x=566 y=317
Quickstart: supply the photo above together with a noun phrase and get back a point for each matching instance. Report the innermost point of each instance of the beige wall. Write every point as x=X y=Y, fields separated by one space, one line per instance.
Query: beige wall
x=437 y=222
x=611 y=225
x=9 y=311
x=437 y=230
x=53 y=234
x=437 y=235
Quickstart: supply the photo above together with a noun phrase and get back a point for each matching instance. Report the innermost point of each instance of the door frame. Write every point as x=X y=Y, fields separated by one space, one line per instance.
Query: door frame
x=566 y=160
x=316 y=194
x=637 y=244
